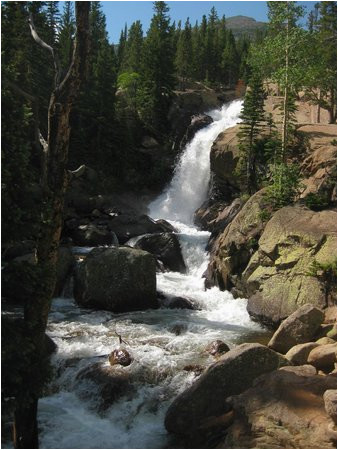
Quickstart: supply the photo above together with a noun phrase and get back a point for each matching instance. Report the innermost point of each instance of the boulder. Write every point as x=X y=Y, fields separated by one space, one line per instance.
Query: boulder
x=108 y=384
x=217 y=348
x=298 y=328
x=233 y=249
x=91 y=235
x=323 y=357
x=197 y=123
x=128 y=225
x=120 y=356
x=166 y=248
x=299 y=353
x=330 y=400
x=278 y=278
x=305 y=369
x=116 y=279
x=325 y=340
x=232 y=374
x=333 y=332
x=180 y=303
x=282 y=410
x=64 y=267
x=166 y=226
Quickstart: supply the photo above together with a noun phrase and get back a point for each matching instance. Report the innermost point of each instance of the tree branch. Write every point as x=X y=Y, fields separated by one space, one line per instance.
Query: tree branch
x=44 y=45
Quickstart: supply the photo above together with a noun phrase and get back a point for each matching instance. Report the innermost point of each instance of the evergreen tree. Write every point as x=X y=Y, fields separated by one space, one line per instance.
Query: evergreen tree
x=230 y=60
x=66 y=34
x=157 y=70
x=53 y=20
x=133 y=50
x=184 y=54
x=252 y=117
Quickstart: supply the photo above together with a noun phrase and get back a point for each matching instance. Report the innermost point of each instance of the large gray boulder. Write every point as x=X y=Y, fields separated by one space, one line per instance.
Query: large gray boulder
x=278 y=278
x=128 y=225
x=116 y=279
x=298 y=328
x=166 y=248
x=231 y=375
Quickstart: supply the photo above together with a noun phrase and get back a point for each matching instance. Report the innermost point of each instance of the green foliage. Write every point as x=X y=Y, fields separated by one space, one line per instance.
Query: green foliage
x=317 y=201
x=327 y=271
x=285 y=184
x=264 y=215
x=334 y=142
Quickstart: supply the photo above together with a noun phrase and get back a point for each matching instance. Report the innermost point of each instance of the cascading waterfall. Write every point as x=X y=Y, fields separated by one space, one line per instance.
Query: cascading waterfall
x=189 y=186
x=68 y=416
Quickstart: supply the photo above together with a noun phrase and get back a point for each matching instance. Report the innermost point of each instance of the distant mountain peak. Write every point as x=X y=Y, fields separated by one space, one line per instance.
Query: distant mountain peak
x=241 y=25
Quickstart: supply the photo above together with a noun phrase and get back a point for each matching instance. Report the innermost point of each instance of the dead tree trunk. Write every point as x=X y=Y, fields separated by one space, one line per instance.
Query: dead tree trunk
x=54 y=182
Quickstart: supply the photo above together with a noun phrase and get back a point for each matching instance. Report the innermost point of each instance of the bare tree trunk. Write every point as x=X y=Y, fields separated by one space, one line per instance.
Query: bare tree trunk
x=54 y=180
x=318 y=106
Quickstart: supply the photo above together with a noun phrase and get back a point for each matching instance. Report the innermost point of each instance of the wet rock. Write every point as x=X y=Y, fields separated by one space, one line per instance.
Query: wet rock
x=116 y=279
x=64 y=267
x=299 y=353
x=232 y=374
x=178 y=328
x=166 y=248
x=120 y=356
x=330 y=400
x=50 y=346
x=109 y=382
x=323 y=357
x=197 y=369
x=217 y=348
x=91 y=236
x=197 y=123
x=128 y=225
x=298 y=328
x=166 y=226
x=180 y=303
x=215 y=216
x=281 y=410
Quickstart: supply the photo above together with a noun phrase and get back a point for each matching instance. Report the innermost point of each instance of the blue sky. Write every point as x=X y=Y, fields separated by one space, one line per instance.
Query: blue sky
x=120 y=12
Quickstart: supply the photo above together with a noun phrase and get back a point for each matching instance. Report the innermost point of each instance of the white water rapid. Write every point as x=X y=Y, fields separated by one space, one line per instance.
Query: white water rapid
x=162 y=342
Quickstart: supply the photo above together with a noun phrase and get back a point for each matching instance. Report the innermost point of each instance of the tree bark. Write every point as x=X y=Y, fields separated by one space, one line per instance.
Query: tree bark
x=54 y=183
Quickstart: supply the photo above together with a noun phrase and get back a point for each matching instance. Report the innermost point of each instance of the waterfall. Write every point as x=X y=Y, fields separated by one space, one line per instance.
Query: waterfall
x=189 y=186
x=68 y=416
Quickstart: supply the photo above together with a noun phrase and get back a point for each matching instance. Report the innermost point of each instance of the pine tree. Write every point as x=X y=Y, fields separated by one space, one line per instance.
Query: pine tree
x=66 y=34
x=253 y=118
x=157 y=70
x=133 y=49
x=230 y=60
x=53 y=20
x=183 y=59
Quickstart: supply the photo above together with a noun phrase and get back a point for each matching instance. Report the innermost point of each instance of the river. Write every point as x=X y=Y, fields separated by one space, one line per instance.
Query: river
x=162 y=342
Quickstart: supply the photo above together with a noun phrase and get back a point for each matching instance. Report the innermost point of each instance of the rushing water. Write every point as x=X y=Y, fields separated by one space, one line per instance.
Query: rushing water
x=69 y=416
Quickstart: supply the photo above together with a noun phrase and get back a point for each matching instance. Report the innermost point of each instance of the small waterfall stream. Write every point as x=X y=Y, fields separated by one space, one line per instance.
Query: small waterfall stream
x=68 y=415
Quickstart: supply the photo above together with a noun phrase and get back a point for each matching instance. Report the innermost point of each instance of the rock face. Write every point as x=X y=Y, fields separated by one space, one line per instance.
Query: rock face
x=117 y=279
x=233 y=249
x=166 y=248
x=215 y=216
x=277 y=277
x=231 y=375
x=319 y=168
x=282 y=410
x=298 y=328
